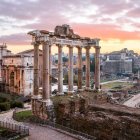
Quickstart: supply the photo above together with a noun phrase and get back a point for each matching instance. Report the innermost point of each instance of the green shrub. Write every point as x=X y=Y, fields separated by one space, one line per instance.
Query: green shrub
x=14 y=104
x=3 y=99
x=4 y=106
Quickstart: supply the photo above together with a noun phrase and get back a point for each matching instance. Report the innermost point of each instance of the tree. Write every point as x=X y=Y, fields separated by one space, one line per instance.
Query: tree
x=92 y=64
x=65 y=59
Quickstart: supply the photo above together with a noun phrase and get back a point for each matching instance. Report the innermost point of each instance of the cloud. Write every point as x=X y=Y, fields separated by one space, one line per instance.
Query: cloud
x=16 y=39
x=94 y=18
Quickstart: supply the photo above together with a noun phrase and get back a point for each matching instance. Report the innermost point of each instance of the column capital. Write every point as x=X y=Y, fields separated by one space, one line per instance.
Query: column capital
x=78 y=47
x=97 y=47
x=46 y=43
x=35 y=43
x=88 y=47
x=59 y=45
x=69 y=46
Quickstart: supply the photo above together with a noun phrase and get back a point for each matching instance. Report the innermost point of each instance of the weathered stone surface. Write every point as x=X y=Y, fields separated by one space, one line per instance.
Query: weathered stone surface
x=105 y=122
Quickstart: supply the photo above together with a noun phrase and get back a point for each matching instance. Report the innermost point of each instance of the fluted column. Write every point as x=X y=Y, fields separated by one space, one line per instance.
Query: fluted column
x=60 y=70
x=97 y=67
x=87 y=67
x=80 y=72
x=46 y=75
x=36 y=69
x=70 y=71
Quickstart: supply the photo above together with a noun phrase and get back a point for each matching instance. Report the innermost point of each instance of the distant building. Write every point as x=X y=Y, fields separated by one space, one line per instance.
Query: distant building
x=136 y=63
x=118 y=62
x=18 y=72
x=3 y=52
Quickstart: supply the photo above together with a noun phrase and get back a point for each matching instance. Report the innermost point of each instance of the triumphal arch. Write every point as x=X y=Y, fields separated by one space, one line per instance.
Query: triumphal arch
x=62 y=36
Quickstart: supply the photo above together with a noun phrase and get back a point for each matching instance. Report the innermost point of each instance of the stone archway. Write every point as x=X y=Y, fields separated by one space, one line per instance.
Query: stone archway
x=12 y=77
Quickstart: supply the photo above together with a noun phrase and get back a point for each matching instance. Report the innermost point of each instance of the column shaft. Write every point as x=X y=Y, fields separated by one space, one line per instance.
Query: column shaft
x=80 y=72
x=36 y=68
x=46 y=76
x=87 y=67
x=60 y=70
x=97 y=67
x=50 y=69
x=70 y=72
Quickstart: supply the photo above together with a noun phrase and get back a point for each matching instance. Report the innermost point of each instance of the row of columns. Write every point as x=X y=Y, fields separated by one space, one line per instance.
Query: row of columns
x=47 y=69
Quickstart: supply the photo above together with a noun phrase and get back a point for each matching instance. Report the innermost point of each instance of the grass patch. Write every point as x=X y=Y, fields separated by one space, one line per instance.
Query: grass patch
x=117 y=85
x=73 y=97
x=23 y=116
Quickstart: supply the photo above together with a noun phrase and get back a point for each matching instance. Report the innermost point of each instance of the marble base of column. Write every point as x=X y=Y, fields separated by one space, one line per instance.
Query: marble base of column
x=60 y=93
x=35 y=99
x=48 y=102
x=88 y=88
x=48 y=110
x=70 y=92
x=80 y=90
x=38 y=97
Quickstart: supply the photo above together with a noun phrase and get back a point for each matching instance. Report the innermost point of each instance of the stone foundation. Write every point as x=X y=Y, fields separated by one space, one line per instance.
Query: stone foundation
x=43 y=111
x=105 y=122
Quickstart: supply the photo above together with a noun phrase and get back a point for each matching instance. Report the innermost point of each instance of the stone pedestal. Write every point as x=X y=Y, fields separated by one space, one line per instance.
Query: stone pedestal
x=47 y=110
x=43 y=109
x=34 y=101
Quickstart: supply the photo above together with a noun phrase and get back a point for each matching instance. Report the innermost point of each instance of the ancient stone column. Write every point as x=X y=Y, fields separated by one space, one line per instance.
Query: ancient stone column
x=70 y=70
x=50 y=69
x=60 y=70
x=46 y=75
x=36 y=69
x=87 y=68
x=97 y=67
x=80 y=72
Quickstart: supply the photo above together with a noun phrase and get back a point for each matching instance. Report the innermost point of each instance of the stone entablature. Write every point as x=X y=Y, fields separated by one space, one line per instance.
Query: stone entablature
x=18 y=60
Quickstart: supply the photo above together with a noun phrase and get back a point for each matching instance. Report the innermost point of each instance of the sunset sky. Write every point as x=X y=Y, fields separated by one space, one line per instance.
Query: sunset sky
x=116 y=22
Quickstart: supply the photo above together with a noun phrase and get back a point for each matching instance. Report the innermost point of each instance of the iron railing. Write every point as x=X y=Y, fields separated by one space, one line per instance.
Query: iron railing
x=22 y=130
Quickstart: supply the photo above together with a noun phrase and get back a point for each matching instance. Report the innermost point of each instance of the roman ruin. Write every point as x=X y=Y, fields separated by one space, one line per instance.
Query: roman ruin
x=62 y=36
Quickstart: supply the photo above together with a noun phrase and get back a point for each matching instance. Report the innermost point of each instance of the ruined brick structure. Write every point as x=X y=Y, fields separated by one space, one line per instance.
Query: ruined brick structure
x=104 y=121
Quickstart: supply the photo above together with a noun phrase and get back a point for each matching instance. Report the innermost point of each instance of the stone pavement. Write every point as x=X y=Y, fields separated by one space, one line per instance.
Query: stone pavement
x=37 y=132
x=134 y=101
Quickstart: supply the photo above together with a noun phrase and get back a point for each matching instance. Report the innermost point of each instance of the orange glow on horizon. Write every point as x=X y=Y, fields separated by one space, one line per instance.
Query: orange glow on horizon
x=106 y=46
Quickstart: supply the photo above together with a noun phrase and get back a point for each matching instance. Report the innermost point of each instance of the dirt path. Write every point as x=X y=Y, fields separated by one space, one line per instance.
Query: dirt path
x=37 y=132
